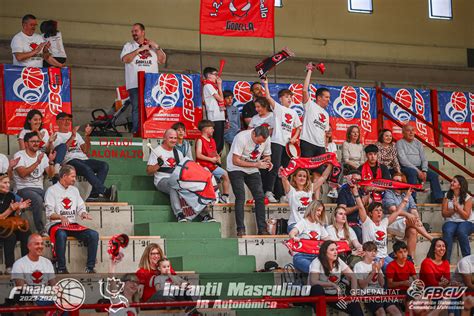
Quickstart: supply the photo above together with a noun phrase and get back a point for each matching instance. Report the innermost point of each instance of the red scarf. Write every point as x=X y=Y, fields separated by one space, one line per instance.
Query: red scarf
x=368 y=175
x=313 y=163
x=311 y=246
x=52 y=232
x=206 y=81
x=390 y=184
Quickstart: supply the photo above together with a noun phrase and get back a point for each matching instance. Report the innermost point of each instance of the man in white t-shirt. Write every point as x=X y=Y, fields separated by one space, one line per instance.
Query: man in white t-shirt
x=243 y=164
x=29 y=175
x=316 y=119
x=33 y=269
x=215 y=106
x=64 y=206
x=28 y=48
x=69 y=143
x=163 y=159
x=140 y=54
x=286 y=130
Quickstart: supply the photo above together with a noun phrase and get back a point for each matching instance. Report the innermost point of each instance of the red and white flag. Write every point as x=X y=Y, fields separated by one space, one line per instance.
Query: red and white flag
x=245 y=18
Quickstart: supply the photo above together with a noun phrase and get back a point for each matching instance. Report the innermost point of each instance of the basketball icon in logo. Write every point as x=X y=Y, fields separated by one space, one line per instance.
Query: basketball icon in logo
x=459 y=101
x=346 y=104
x=32 y=77
x=168 y=83
x=405 y=98
x=165 y=92
x=456 y=110
x=70 y=294
x=242 y=92
x=297 y=90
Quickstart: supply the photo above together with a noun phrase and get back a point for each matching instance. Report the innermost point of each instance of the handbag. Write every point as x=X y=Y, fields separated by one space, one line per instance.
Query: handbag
x=12 y=224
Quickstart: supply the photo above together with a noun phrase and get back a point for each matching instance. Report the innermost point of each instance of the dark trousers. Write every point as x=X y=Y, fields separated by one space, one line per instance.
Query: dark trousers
x=432 y=177
x=95 y=172
x=9 y=246
x=36 y=195
x=219 y=135
x=61 y=151
x=310 y=150
x=133 y=95
x=350 y=308
x=270 y=179
x=89 y=237
x=254 y=182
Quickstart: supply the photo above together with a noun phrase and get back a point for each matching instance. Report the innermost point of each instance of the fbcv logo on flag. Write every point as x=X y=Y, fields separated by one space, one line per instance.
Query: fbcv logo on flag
x=456 y=109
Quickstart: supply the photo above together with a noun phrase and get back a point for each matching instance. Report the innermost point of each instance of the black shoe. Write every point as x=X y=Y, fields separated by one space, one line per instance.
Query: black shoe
x=62 y=271
x=111 y=193
x=90 y=270
x=181 y=218
x=264 y=232
x=208 y=219
x=241 y=232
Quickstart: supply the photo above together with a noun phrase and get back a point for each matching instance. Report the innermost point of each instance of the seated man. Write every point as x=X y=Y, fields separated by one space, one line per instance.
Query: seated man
x=63 y=205
x=243 y=164
x=33 y=269
x=29 y=174
x=414 y=164
x=75 y=151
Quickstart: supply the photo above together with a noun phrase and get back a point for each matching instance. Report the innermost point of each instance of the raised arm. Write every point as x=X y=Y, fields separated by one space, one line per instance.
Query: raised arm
x=307 y=82
x=359 y=203
x=286 y=184
x=267 y=93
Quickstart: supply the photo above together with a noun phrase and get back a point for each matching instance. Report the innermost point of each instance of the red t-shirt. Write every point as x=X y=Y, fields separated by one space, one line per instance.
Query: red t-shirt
x=144 y=276
x=208 y=149
x=400 y=273
x=431 y=273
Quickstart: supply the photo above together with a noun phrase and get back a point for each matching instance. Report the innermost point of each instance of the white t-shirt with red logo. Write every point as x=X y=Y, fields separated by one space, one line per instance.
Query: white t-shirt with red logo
x=35 y=178
x=377 y=234
x=4 y=163
x=214 y=111
x=63 y=201
x=22 y=43
x=244 y=146
x=338 y=236
x=308 y=230
x=257 y=120
x=146 y=61
x=333 y=277
x=74 y=151
x=286 y=120
x=298 y=201
x=169 y=161
x=315 y=124
x=44 y=134
x=362 y=270
x=33 y=272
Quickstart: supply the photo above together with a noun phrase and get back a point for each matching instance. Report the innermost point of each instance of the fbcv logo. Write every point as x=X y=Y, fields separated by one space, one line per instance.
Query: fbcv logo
x=404 y=97
x=346 y=104
x=165 y=92
x=29 y=86
x=456 y=109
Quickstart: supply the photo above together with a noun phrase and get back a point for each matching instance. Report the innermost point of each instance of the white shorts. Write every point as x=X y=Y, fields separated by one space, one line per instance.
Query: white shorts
x=398 y=227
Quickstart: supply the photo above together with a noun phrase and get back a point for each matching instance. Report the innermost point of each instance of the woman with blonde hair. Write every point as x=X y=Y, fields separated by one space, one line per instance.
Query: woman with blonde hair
x=339 y=230
x=148 y=268
x=310 y=227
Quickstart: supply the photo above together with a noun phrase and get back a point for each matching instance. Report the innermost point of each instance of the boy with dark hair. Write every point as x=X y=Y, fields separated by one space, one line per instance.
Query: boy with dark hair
x=400 y=272
x=287 y=128
x=233 y=124
x=214 y=101
x=248 y=110
x=182 y=144
x=371 y=279
x=207 y=156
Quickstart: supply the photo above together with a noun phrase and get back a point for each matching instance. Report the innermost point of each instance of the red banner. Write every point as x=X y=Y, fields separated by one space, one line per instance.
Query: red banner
x=246 y=18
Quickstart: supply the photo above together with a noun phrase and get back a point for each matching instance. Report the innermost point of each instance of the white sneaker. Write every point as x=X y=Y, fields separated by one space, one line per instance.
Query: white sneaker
x=271 y=198
x=283 y=199
x=333 y=194
x=223 y=199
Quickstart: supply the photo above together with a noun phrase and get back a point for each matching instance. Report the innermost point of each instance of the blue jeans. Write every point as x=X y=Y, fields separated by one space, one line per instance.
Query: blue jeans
x=89 y=237
x=36 y=195
x=432 y=177
x=95 y=172
x=460 y=230
x=302 y=261
x=61 y=151
x=133 y=95
x=290 y=227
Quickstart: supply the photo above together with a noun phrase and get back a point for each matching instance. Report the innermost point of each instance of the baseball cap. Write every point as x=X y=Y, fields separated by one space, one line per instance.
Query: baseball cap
x=63 y=115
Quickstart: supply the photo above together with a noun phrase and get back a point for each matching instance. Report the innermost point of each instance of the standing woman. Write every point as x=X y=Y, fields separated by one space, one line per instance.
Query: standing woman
x=325 y=275
x=34 y=123
x=353 y=154
x=331 y=146
x=264 y=115
x=457 y=211
x=148 y=268
x=52 y=35
x=388 y=155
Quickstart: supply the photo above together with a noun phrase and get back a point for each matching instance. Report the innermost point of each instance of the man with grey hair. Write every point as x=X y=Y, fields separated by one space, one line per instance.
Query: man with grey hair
x=414 y=164
x=249 y=152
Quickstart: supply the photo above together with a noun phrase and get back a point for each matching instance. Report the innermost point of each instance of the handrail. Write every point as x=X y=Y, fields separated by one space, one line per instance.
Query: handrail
x=471 y=174
x=441 y=173
x=388 y=96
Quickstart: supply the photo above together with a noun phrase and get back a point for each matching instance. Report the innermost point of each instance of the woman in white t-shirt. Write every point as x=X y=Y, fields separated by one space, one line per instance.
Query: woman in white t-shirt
x=331 y=146
x=325 y=275
x=264 y=116
x=52 y=35
x=34 y=123
x=310 y=227
x=457 y=211
x=339 y=230
x=300 y=192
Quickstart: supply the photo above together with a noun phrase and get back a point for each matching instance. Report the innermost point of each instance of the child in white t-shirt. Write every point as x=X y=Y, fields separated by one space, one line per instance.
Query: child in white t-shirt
x=310 y=227
x=215 y=106
x=264 y=115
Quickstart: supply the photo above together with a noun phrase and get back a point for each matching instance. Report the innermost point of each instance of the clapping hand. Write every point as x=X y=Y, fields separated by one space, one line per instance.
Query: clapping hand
x=85 y=216
x=13 y=162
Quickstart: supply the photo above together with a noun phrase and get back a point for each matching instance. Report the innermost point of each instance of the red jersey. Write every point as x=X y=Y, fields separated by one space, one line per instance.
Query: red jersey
x=208 y=149
x=400 y=273
x=431 y=273
x=144 y=277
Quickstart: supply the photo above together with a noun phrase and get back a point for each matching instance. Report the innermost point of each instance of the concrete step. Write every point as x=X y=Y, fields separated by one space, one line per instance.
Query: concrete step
x=131 y=182
x=211 y=264
x=144 y=197
x=206 y=246
x=179 y=230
